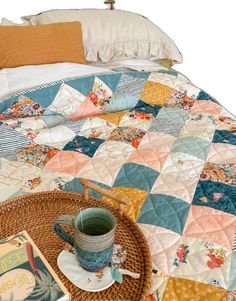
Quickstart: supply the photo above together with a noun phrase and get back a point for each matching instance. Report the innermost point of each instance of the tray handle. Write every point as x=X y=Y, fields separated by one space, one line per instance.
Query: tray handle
x=112 y=195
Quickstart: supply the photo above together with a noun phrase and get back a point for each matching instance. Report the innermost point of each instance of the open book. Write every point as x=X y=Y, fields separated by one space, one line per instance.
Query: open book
x=25 y=274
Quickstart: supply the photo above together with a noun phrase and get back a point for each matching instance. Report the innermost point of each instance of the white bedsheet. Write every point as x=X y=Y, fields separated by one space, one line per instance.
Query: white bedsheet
x=14 y=80
x=132 y=64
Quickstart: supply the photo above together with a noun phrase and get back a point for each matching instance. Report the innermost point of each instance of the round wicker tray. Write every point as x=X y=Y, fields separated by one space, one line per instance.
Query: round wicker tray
x=36 y=212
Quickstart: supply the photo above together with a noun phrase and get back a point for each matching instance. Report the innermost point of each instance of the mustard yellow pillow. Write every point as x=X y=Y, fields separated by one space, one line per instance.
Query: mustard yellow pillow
x=41 y=44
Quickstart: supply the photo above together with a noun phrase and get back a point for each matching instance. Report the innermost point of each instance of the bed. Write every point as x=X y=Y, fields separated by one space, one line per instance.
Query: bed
x=140 y=129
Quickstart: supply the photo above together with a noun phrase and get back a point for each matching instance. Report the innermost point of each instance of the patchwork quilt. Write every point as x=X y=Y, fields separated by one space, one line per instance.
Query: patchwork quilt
x=154 y=137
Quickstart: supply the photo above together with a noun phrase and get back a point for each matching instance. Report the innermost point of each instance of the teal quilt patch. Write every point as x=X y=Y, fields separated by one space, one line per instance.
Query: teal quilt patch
x=216 y=195
x=194 y=146
x=164 y=211
x=136 y=176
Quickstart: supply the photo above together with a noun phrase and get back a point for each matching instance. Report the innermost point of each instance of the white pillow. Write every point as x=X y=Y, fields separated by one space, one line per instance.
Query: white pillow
x=108 y=35
x=6 y=22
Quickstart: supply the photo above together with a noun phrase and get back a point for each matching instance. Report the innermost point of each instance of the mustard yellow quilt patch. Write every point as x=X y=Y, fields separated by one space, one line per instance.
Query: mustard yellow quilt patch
x=156 y=93
x=178 y=289
x=136 y=197
x=114 y=118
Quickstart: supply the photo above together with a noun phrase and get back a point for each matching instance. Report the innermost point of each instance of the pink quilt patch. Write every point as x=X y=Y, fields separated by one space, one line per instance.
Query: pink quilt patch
x=85 y=109
x=211 y=225
x=68 y=162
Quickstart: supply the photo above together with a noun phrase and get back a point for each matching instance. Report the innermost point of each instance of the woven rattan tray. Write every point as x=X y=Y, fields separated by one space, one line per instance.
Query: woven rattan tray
x=36 y=212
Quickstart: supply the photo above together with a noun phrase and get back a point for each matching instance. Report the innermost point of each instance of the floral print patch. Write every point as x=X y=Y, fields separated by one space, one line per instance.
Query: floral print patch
x=199 y=117
x=227 y=122
x=216 y=256
x=87 y=146
x=140 y=115
x=37 y=155
x=33 y=183
x=224 y=173
x=25 y=107
x=127 y=134
x=181 y=254
x=100 y=95
x=98 y=100
x=16 y=124
x=60 y=182
x=144 y=107
x=216 y=195
x=179 y=100
x=152 y=297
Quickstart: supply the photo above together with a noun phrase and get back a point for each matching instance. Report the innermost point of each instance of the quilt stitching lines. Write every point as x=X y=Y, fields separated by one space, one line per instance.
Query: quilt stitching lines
x=152 y=136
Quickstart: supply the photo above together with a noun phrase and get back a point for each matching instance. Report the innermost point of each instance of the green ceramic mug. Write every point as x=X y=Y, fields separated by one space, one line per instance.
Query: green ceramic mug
x=93 y=239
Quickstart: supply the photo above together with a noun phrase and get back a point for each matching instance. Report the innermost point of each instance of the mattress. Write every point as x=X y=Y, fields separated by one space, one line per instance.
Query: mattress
x=152 y=136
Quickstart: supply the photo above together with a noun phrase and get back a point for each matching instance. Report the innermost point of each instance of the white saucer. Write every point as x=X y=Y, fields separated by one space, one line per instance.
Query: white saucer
x=91 y=282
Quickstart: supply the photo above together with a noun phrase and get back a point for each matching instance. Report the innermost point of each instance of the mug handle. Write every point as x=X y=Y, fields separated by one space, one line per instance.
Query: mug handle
x=66 y=220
